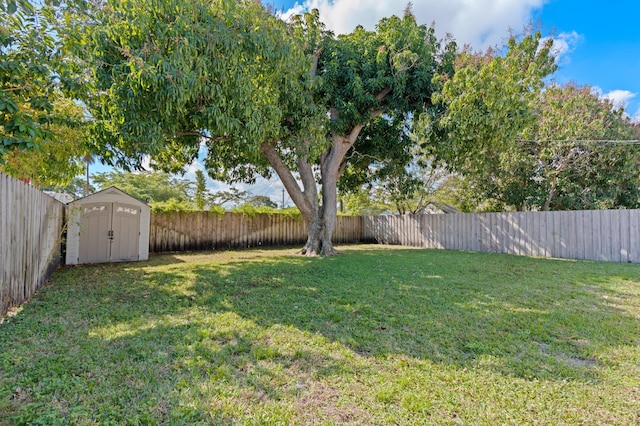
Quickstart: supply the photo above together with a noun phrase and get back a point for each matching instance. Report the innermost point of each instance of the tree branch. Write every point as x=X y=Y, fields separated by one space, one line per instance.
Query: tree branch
x=314 y=64
x=204 y=136
x=306 y=176
x=383 y=93
x=289 y=182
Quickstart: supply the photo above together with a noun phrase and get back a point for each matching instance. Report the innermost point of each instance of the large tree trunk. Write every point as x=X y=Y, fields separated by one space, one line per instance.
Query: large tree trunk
x=320 y=219
x=305 y=198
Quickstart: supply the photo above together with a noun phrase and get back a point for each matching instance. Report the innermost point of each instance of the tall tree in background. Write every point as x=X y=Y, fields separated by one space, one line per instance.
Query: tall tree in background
x=571 y=170
x=255 y=90
x=200 y=196
x=146 y=186
x=483 y=109
x=518 y=144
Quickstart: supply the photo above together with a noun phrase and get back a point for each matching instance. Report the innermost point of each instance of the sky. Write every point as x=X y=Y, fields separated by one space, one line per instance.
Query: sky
x=597 y=43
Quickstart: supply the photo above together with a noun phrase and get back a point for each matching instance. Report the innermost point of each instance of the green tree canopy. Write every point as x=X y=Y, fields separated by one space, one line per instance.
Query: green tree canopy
x=171 y=74
x=33 y=67
x=516 y=143
x=487 y=104
x=146 y=186
x=263 y=95
x=58 y=159
x=569 y=168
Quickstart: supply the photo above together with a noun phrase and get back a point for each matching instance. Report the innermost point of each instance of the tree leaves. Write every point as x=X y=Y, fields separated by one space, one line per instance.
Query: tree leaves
x=493 y=103
x=185 y=72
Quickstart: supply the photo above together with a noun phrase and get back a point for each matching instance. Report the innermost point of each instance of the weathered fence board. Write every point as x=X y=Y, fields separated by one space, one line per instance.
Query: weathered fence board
x=31 y=225
x=611 y=235
x=204 y=231
x=607 y=235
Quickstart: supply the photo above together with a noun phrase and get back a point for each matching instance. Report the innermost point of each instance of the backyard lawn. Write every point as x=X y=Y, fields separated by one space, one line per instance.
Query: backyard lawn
x=377 y=335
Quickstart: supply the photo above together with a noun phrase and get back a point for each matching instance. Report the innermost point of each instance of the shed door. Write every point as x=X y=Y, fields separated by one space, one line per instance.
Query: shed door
x=125 y=234
x=109 y=232
x=94 y=239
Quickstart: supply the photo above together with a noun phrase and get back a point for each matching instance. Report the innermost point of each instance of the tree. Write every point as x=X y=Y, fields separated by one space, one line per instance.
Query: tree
x=230 y=196
x=412 y=187
x=397 y=186
x=570 y=170
x=32 y=60
x=42 y=130
x=386 y=73
x=261 y=201
x=56 y=161
x=518 y=144
x=76 y=187
x=255 y=90
x=200 y=196
x=370 y=80
x=482 y=110
x=169 y=75
x=146 y=186
x=27 y=88
x=363 y=202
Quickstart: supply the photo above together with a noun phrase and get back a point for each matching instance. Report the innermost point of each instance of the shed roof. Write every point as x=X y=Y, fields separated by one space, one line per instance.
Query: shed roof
x=112 y=190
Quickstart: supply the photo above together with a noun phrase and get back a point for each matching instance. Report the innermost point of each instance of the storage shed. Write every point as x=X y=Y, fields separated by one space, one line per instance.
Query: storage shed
x=108 y=226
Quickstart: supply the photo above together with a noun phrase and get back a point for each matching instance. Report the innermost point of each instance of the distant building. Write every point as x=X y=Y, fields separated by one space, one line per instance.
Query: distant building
x=435 y=207
x=62 y=197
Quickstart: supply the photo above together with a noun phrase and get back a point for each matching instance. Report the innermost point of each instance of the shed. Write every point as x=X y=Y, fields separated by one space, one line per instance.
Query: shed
x=108 y=226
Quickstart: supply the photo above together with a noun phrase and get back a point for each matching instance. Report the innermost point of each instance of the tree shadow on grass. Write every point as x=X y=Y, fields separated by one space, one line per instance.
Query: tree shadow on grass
x=530 y=318
x=210 y=342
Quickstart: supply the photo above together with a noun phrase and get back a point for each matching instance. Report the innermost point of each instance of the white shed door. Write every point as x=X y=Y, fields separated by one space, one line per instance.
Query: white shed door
x=94 y=233
x=109 y=232
x=125 y=234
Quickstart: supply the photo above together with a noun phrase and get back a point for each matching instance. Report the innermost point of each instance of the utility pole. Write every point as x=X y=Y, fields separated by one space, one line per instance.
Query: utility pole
x=282 y=198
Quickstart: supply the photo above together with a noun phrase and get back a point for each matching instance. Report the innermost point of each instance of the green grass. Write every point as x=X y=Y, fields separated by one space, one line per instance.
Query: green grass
x=377 y=335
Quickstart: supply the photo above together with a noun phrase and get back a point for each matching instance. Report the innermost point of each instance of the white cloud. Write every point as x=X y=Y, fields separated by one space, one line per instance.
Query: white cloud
x=619 y=98
x=563 y=44
x=479 y=23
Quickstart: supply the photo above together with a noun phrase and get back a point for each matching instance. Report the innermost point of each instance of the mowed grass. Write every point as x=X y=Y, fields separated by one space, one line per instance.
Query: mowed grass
x=376 y=335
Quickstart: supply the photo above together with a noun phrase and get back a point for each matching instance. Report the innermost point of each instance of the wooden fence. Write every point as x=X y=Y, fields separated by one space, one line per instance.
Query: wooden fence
x=181 y=231
x=607 y=235
x=31 y=225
